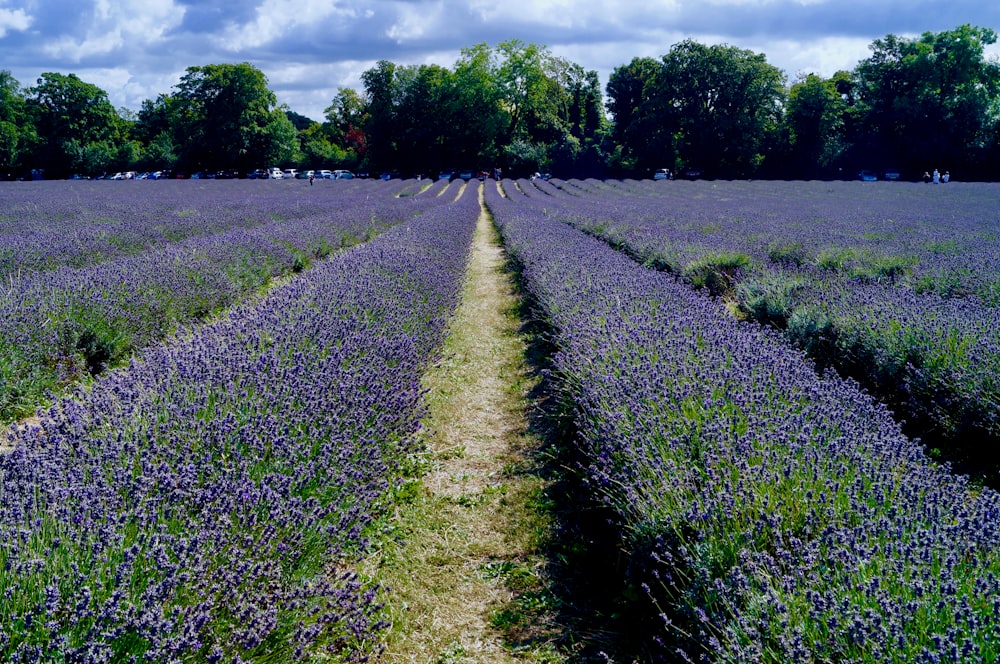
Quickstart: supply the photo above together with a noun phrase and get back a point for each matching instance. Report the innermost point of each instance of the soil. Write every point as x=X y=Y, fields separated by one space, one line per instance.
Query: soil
x=471 y=519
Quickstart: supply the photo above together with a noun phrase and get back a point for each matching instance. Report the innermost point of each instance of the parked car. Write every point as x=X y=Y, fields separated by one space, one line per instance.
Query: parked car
x=446 y=175
x=891 y=174
x=289 y=172
x=324 y=174
x=693 y=173
x=466 y=175
x=275 y=173
x=305 y=175
x=661 y=174
x=341 y=174
x=867 y=175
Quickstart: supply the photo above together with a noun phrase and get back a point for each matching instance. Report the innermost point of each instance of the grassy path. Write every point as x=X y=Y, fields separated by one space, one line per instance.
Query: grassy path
x=470 y=583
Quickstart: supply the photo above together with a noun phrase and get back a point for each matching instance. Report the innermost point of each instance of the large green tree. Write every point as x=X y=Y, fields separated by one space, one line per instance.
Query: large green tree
x=525 y=77
x=224 y=116
x=722 y=105
x=644 y=141
x=78 y=128
x=381 y=125
x=344 y=127
x=931 y=101
x=536 y=131
x=478 y=117
x=551 y=110
x=17 y=133
x=579 y=150
x=345 y=114
x=153 y=129
x=513 y=105
x=816 y=118
x=423 y=107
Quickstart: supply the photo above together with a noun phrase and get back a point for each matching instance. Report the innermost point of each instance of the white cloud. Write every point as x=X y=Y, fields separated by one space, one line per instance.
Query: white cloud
x=13 y=19
x=308 y=89
x=824 y=56
x=279 y=20
x=569 y=14
x=414 y=22
x=116 y=25
x=144 y=21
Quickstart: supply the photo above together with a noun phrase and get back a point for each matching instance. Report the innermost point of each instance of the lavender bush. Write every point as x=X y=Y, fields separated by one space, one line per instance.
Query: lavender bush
x=59 y=326
x=45 y=225
x=766 y=513
x=874 y=281
x=208 y=501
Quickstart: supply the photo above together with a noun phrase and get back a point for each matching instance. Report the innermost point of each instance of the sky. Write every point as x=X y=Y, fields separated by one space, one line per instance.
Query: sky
x=308 y=49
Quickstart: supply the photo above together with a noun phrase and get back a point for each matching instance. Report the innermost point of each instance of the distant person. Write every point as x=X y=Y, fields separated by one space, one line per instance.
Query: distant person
x=936 y=176
x=946 y=177
x=927 y=177
x=312 y=177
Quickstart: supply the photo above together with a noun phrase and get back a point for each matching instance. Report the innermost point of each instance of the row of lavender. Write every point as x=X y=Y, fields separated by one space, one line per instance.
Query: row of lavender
x=769 y=514
x=45 y=225
x=207 y=502
x=59 y=326
x=918 y=235
x=893 y=286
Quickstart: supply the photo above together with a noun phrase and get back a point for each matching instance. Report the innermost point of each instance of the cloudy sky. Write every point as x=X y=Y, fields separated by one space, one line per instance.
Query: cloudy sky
x=137 y=49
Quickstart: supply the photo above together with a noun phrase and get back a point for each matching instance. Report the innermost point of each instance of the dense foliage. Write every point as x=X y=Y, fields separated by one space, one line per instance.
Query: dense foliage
x=913 y=105
x=224 y=116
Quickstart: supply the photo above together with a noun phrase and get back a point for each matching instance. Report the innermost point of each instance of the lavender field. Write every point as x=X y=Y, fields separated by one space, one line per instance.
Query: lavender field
x=225 y=379
x=762 y=511
x=894 y=285
x=207 y=501
x=93 y=271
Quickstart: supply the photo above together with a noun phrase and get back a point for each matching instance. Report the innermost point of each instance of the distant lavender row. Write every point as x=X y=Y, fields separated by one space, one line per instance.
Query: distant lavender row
x=769 y=514
x=851 y=273
x=208 y=502
x=44 y=225
x=934 y=235
x=57 y=326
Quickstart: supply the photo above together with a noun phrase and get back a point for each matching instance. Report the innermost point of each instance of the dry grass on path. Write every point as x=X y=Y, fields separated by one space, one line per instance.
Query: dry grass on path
x=469 y=584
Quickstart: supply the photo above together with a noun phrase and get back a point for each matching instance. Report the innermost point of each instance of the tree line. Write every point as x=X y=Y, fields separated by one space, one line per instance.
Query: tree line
x=914 y=104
